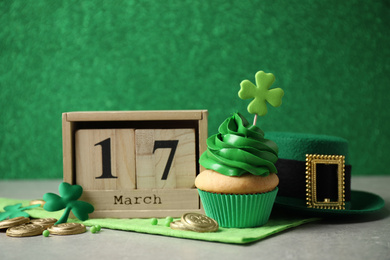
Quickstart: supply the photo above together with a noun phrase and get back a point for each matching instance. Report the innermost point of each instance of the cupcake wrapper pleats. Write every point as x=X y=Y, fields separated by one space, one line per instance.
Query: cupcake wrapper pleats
x=238 y=211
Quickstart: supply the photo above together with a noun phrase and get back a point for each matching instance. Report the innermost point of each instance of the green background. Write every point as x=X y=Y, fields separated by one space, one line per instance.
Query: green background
x=330 y=57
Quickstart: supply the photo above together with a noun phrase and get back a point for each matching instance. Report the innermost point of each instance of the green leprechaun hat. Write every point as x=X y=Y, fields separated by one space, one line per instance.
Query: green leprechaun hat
x=315 y=176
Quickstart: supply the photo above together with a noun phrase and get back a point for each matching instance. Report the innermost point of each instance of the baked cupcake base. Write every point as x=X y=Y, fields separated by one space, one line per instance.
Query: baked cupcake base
x=238 y=210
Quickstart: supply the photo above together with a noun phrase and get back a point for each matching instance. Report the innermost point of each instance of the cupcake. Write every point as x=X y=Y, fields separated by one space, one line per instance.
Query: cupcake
x=239 y=186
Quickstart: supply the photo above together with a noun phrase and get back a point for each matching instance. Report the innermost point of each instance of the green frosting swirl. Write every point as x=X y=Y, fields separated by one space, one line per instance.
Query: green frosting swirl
x=240 y=148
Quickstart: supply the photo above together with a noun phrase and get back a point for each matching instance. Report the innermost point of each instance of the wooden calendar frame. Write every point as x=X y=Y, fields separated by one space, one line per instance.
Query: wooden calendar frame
x=110 y=203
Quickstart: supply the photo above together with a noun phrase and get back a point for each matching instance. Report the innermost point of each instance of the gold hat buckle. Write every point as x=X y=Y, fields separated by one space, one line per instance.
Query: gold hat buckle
x=312 y=161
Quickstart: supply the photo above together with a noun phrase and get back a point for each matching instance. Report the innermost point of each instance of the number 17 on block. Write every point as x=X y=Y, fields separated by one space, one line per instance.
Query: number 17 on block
x=126 y=159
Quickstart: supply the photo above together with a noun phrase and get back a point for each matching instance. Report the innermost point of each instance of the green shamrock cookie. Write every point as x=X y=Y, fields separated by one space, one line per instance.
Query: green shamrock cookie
x=261 y=93
x=13 y=211
x=68 y=201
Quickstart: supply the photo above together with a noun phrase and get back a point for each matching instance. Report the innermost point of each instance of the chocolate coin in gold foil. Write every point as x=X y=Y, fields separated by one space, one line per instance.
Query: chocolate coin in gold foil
x=178 y=225
x=12 y=222
x=67 y=229
x=46 y=222
x=199 y=223
x=39 y=201
x=25 y=230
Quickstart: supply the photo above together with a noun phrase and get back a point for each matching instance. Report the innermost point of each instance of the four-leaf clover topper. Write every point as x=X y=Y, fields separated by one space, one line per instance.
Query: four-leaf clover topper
x=68 y=201
x=261 y=93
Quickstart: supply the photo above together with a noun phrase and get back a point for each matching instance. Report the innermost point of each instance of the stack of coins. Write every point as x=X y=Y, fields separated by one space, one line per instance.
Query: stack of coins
x=67 y=229
x=45 y=222
x=195 y=222
x=21 y=227
x=38 y=201
x=13 y=222
x=24 y=227
x=25 y=230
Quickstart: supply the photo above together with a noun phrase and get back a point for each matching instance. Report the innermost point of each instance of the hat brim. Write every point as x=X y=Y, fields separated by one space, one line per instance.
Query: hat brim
x=361 y=203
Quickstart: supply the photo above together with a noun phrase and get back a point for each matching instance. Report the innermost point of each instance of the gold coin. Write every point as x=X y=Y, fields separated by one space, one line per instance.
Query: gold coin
x=178 y=225
x=46 y=222
x=12 y=222
x=39 y=201
x=67 y=229
x=25 y=230
x=199 y=223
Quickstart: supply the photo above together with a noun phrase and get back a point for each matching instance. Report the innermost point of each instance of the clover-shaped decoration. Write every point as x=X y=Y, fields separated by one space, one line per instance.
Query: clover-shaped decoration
x=13 y=211
x=68 y=201
x=261 y=93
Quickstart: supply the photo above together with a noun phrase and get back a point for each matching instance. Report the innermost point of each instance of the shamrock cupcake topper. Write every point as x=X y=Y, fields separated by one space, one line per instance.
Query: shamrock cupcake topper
x=261 y=94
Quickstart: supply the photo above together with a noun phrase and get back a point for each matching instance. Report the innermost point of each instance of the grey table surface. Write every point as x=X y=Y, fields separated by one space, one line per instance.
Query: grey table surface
x=366 y=237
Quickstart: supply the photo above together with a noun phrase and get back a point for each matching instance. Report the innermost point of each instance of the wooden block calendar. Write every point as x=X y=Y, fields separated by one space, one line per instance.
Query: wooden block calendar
x=135 y=164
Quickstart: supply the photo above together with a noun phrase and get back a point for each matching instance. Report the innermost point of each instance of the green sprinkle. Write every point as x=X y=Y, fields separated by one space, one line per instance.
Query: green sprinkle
x=154 y=221
x=168 y=221
x=93 y=229
x=98 y=227
x=46 y=233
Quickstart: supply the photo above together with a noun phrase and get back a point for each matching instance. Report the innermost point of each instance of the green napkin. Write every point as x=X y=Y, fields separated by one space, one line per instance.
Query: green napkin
x=276 y=224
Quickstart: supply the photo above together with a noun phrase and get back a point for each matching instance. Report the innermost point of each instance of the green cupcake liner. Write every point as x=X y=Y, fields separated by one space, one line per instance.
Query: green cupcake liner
x=238 y=210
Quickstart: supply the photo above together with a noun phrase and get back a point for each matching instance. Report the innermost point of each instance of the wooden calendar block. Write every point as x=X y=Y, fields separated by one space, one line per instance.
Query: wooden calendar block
x=105 y=159
x=165 y=158
x=163 y=202
x=135 y=164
